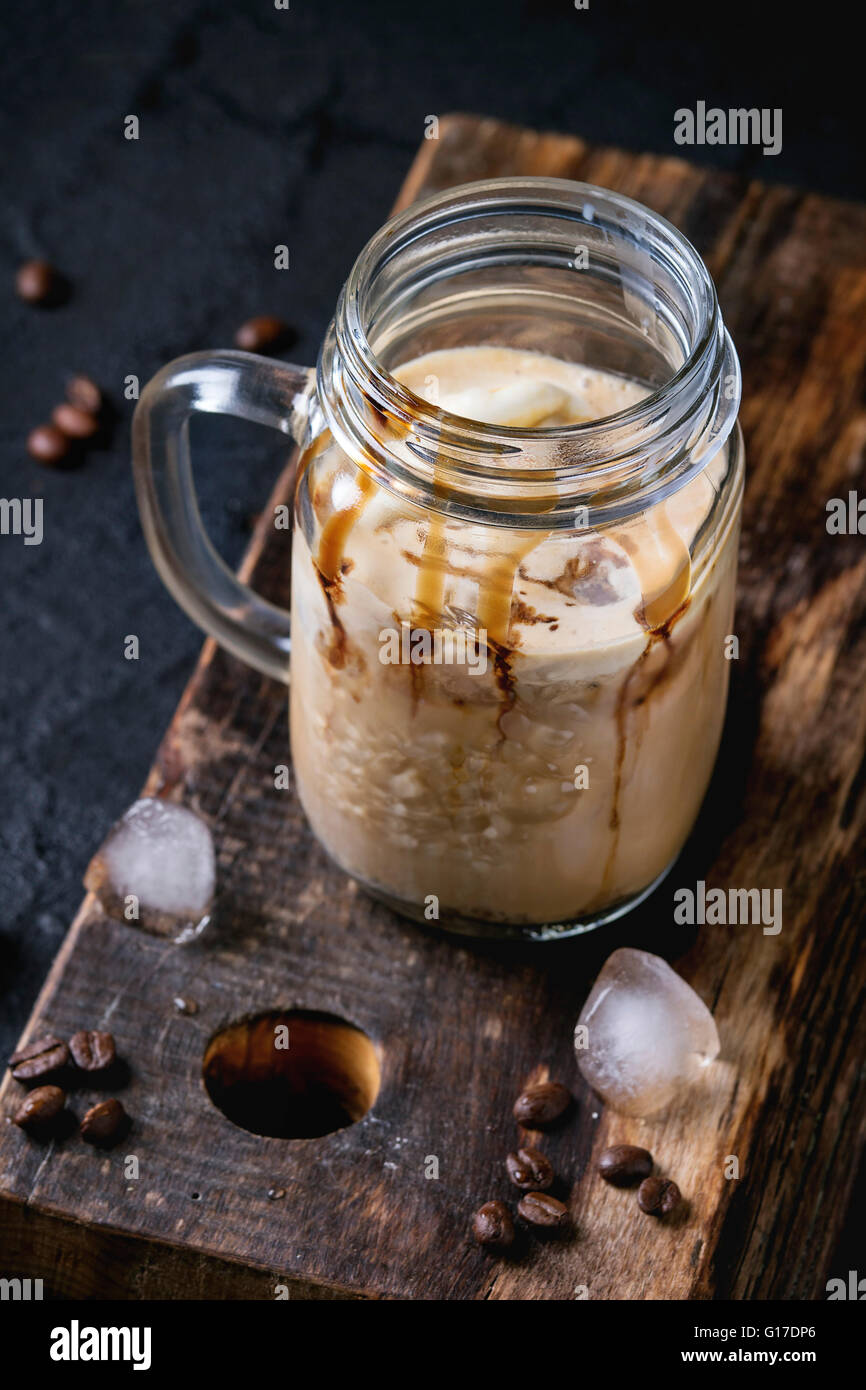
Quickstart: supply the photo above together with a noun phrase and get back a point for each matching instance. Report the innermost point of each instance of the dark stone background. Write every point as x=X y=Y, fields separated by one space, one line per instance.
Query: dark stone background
x=257 y=127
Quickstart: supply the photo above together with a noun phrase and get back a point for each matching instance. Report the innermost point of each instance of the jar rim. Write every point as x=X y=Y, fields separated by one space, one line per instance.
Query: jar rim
x=641 y=444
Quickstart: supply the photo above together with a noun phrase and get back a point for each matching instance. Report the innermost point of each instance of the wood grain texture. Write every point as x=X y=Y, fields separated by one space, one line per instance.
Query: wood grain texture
x=461 y=1029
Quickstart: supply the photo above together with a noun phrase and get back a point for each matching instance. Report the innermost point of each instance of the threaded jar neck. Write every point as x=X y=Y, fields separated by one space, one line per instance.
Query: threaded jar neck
x=545 y=265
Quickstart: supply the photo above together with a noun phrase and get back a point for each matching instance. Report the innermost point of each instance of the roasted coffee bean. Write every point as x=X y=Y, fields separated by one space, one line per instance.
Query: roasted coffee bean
x=39 y=1058
x=104 y=1122
x=541 y=1104
x=262 y=332
x=658 y=1196
x=74 y=423
x=92 y=1051
x=625 y=1164
x=40 y=1107
x=540 y=1209
x=84 y=394
x=47 y=444
x=492 y=1225
x=529 y=1169
x=37 y=282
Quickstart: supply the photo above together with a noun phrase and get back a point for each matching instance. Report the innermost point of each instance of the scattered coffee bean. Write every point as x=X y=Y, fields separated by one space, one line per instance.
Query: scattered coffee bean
x=37 y=282
x=541 y=1104
x=540 y=1209
x=104 y=1122
x=47 y=444
x=39 y=1058
x=74 y=423
x=624 y=1164
x=40 y=1107
x=529 y=1169
x=84 y=394
x=262 y=332
x=658 y=1196
x=92 y=1051
x=492 y=1225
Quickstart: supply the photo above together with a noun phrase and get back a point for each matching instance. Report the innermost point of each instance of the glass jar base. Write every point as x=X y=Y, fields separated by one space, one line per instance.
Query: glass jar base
x=454 y=924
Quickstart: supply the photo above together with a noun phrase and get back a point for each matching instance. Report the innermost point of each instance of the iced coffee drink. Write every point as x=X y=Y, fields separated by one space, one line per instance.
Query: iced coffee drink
x=502 y=725
x=514 y=551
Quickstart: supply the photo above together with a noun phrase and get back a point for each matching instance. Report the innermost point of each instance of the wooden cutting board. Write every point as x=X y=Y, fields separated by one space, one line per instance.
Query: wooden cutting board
x=459 y=1029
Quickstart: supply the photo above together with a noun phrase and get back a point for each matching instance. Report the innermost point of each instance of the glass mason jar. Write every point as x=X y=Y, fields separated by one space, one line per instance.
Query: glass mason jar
x=508 y=640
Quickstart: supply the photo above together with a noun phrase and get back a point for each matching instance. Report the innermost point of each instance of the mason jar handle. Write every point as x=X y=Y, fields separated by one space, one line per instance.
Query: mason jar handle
x=214 y=383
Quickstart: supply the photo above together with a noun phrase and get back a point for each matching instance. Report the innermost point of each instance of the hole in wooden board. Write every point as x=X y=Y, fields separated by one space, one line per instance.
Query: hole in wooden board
x=292 y=1074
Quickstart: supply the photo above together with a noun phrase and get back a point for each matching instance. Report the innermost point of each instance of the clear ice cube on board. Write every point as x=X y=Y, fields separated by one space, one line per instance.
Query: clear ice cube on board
x=643 y=1034
x=157 y=869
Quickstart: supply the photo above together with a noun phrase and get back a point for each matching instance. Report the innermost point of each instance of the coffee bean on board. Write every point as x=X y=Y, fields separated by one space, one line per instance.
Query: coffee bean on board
x=530 y=1170
x=39 y=1058
x=541 y=1104
x=92 y=1051
x=492 y=1225
x=540 y=1209
x=625 y=1164
x=104 y=1122
x=658 y=1196
x=40 y=1107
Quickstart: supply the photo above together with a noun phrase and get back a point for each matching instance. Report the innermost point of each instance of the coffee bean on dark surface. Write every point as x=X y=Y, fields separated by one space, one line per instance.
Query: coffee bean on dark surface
x=84 y=394
x=39 y=1058
x=40 y=1107
x=75 y=423
x=492 y=1225
x=47 y=444
x=92 y=1051
x=530 y=1170
x=658 y=1196
x=104 y=1122
x=542 y=1104
x=37 y=282
x=540 y=1209
x=259 y=333
x=624 y=1164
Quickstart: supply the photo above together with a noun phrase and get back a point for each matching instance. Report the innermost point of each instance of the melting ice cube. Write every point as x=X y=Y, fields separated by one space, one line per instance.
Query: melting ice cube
x=157 y=869
x=522 y=403
x=643 y=1033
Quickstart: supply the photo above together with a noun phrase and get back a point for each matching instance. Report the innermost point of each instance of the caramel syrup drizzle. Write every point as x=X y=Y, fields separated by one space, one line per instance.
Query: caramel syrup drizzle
x=660 y=608
x=430 y=585
x=496 y=582
x=335 y=532
x=329 y=560
x=495 y=593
